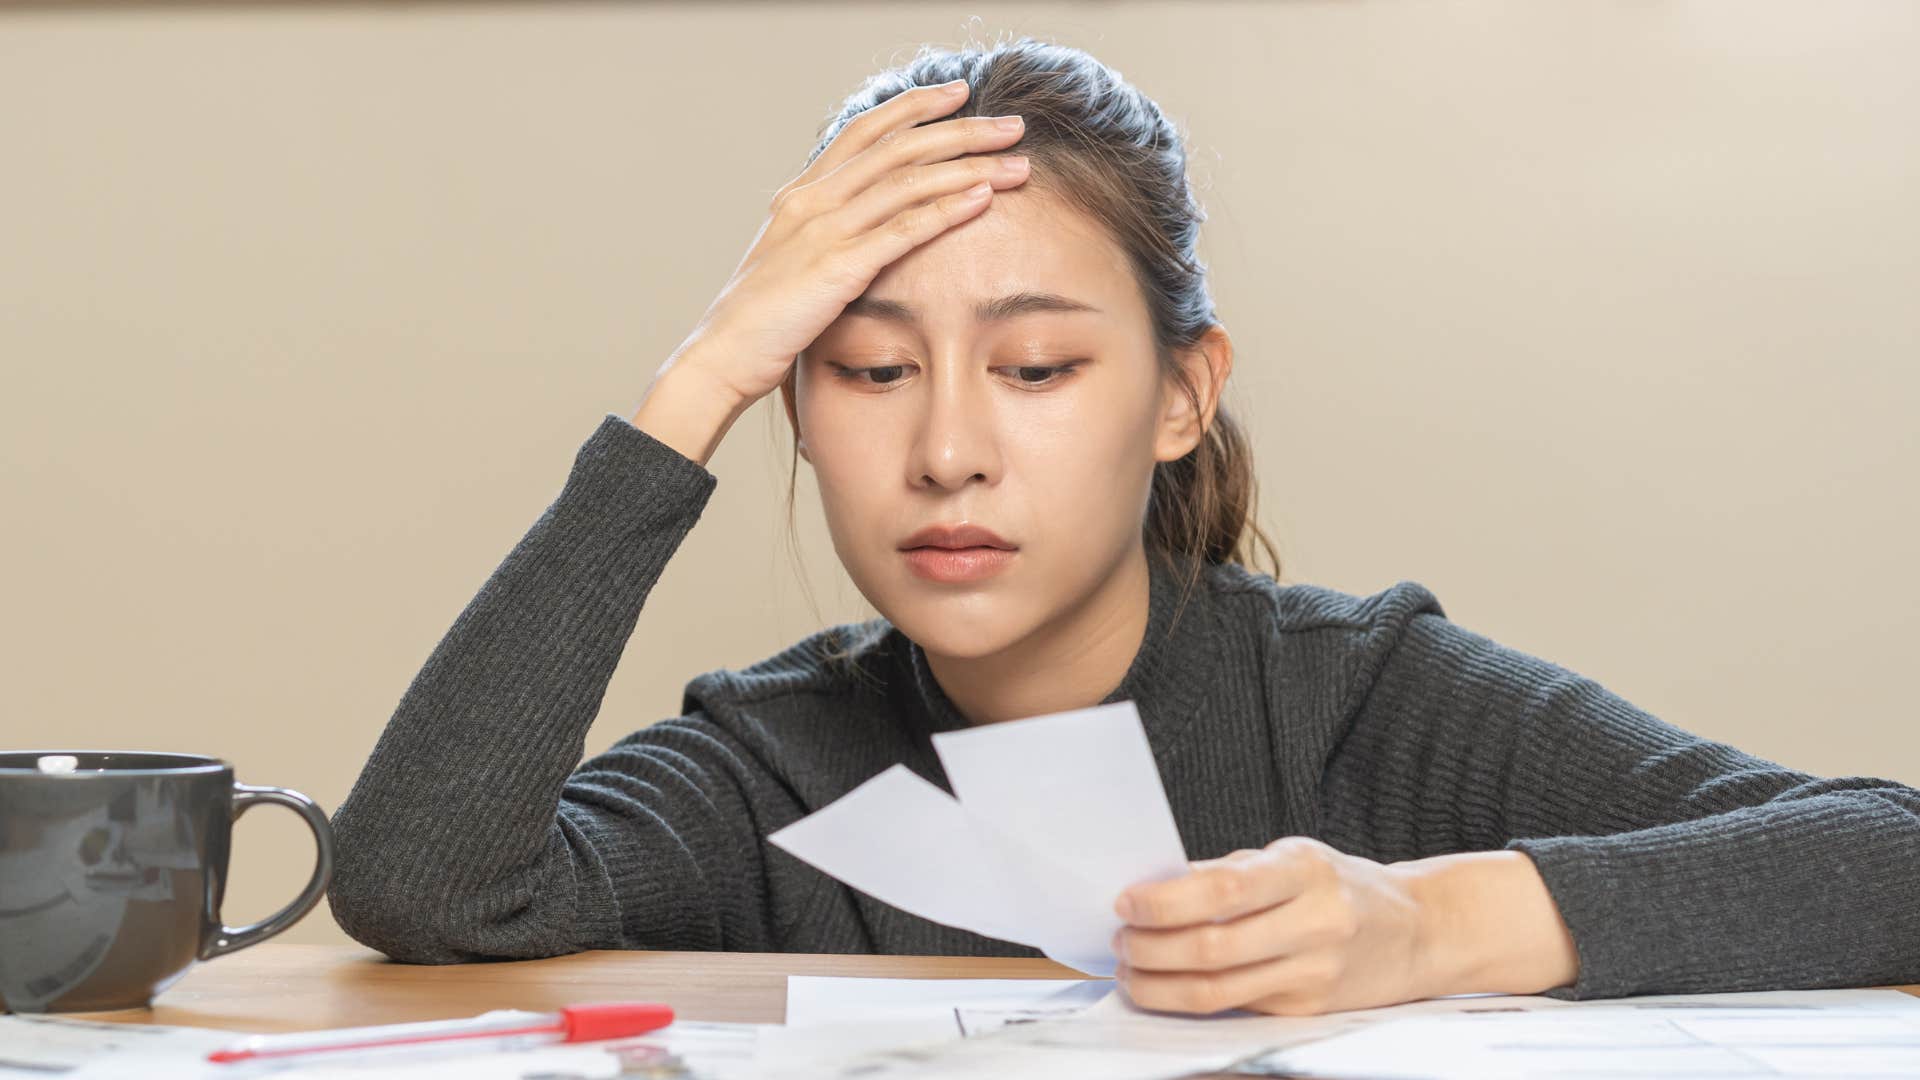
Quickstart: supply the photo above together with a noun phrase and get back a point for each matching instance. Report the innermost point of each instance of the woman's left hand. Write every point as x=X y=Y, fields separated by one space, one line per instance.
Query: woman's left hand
x=1295 y=928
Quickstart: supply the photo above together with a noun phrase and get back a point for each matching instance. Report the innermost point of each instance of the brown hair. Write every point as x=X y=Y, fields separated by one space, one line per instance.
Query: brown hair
x=1105 y=148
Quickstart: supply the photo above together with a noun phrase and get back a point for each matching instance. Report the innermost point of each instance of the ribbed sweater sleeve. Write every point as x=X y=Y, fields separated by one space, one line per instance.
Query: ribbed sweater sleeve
x=456 y=842
x=1680 y=864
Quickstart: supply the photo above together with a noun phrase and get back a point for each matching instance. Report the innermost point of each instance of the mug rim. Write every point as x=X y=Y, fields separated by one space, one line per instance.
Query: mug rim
x=164 y=763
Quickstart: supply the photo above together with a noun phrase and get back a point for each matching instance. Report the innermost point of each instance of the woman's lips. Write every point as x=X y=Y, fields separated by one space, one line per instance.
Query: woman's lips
x=957 y=564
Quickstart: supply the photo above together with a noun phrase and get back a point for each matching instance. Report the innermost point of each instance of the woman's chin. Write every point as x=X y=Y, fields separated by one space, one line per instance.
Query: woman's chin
x=953 y=631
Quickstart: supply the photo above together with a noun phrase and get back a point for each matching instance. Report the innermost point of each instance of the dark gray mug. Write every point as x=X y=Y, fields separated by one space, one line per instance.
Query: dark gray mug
x=112 y=868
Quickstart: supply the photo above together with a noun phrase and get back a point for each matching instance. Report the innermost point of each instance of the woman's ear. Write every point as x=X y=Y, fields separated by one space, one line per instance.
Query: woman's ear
x=1207 y=363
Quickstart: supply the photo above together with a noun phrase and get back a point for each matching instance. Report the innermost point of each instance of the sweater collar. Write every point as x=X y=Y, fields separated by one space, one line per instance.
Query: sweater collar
x=1170 y=671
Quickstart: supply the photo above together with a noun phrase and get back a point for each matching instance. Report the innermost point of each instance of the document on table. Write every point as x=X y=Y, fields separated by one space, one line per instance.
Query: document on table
x=39 y=1047
x=831 y=1019
x=47 y=1047
x=1112 y=1039
x=1050 y=819
x=957 y=1007
x=1628 y=1039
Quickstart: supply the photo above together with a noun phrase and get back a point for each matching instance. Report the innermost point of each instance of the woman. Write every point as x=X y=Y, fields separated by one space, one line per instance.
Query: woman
x=1007 y=378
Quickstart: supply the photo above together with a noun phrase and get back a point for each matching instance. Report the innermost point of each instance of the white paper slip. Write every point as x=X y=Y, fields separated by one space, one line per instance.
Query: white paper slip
x=1052 y=817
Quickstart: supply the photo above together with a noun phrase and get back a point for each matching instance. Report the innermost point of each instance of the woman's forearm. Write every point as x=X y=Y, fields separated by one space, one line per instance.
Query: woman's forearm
x=449 y=845
x=1490 y=926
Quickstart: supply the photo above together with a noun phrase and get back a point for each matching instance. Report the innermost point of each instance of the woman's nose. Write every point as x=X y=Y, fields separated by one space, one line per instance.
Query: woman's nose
x=957 y=441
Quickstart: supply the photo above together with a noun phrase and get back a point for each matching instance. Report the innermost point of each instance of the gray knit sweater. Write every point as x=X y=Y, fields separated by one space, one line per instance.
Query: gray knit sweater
x=1373 y=723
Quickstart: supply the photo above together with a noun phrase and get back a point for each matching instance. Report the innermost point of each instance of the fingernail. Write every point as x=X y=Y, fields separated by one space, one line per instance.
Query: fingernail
x=1124 y=907
x=954 y=87
x=1009 y=123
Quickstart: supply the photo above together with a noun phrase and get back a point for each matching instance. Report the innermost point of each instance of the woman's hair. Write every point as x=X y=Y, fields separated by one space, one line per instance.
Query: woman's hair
x=1105 y=148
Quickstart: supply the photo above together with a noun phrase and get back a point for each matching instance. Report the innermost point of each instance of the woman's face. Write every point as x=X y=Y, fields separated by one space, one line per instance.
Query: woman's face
x=914 y=410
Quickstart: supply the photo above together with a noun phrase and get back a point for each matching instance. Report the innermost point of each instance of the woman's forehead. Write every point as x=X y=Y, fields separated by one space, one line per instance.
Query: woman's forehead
x=1034 y=255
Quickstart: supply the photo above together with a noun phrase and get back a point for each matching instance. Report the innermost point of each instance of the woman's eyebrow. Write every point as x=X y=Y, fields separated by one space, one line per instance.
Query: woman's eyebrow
x=995 y=310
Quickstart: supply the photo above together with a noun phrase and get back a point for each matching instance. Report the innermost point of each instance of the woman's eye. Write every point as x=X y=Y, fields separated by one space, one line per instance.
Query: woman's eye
x=855 y=373
x=1042 y=376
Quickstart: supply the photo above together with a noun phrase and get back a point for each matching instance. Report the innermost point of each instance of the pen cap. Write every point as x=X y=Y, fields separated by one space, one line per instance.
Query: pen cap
x=613 y=1019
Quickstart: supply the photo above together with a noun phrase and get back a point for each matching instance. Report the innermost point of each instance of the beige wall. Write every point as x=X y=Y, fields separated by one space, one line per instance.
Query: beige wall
x=1596 y=318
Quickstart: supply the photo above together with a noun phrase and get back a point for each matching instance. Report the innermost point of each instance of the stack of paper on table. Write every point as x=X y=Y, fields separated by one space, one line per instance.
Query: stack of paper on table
x=1769 y=1035
x=1050 y=819
x=66 y=1048
x=1864 y=1032
x=882 y=1029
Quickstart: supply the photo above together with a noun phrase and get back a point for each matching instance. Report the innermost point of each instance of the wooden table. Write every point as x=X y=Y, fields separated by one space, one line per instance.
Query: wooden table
x=275 y=987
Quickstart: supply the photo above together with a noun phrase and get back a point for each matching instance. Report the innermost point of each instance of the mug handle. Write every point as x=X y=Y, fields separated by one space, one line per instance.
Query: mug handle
x=228 y=939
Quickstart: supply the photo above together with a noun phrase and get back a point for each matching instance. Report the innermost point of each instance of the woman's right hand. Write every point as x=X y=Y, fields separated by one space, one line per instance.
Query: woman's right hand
x=880 y=189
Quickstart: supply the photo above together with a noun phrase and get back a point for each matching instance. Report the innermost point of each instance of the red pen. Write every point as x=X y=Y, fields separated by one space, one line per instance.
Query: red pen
x=574 y=1023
